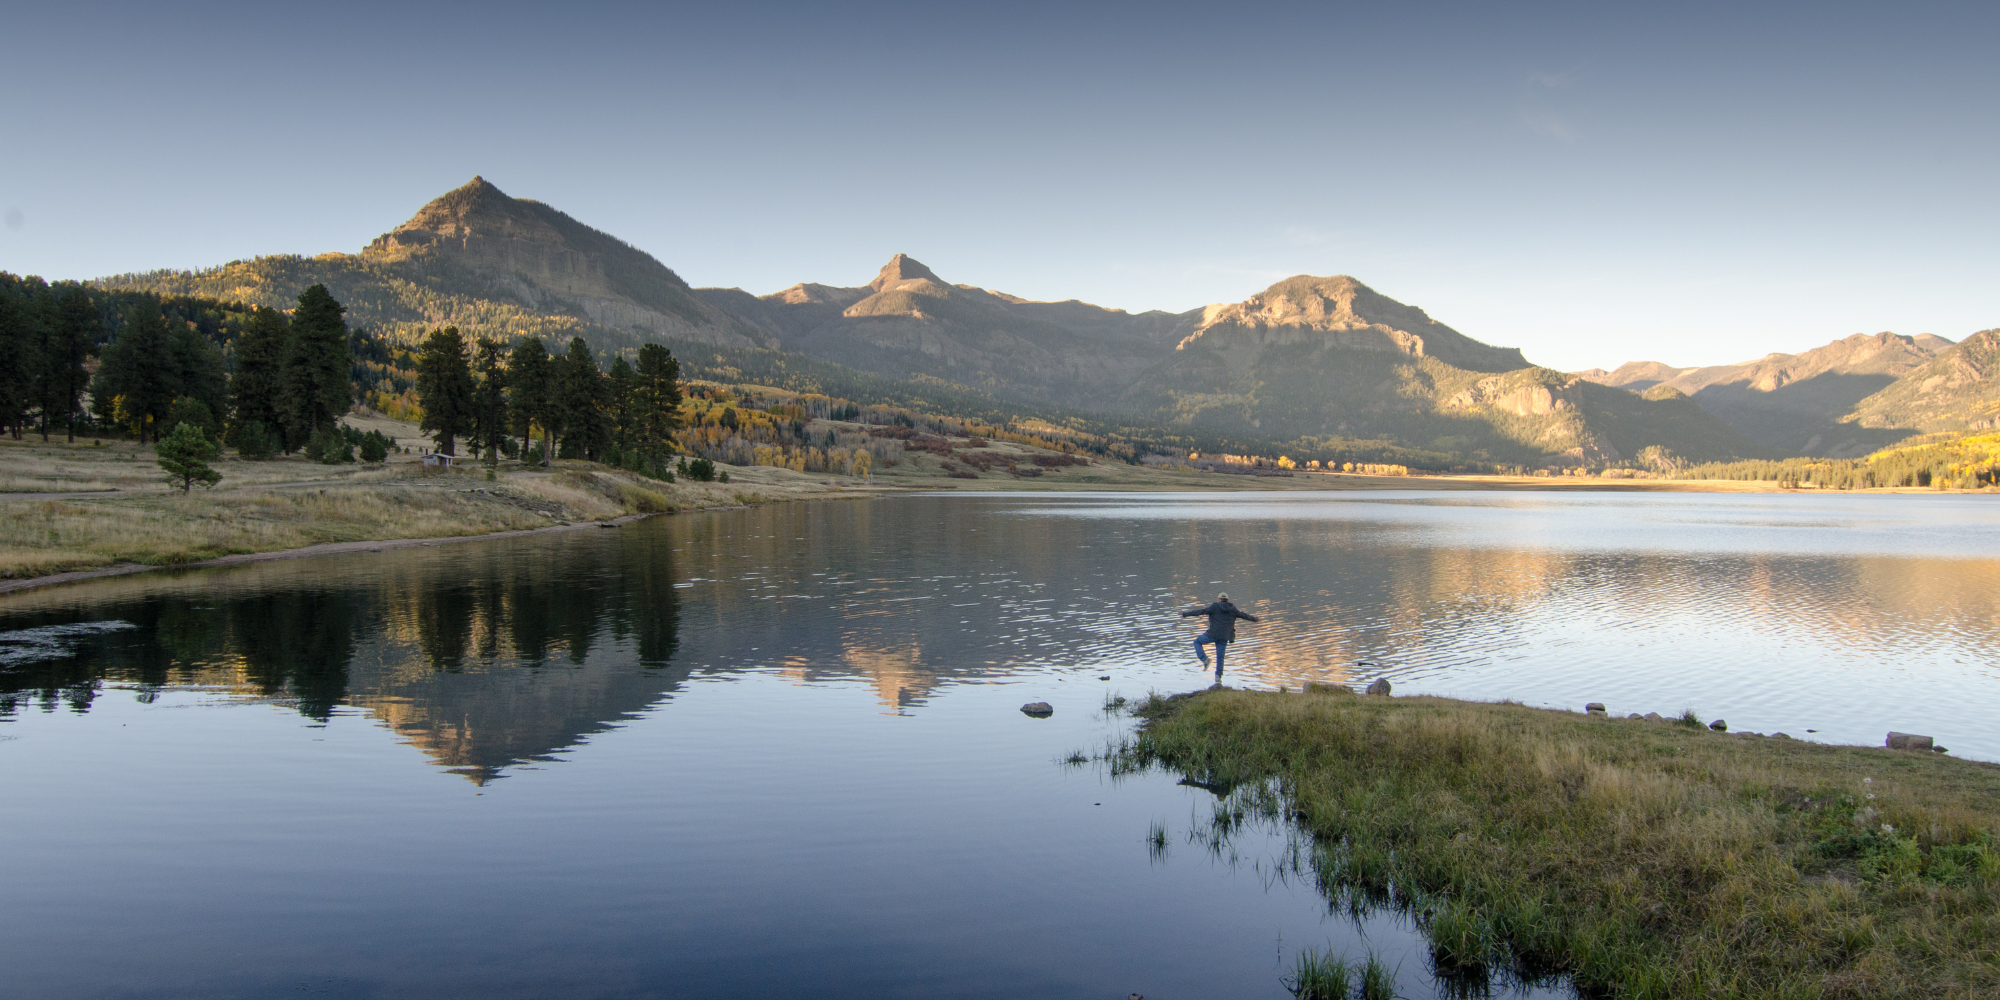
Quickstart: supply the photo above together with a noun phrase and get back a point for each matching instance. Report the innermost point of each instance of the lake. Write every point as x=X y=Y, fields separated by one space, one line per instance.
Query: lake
x=777 y=751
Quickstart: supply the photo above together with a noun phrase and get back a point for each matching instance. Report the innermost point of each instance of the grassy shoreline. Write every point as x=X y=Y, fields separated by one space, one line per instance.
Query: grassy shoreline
x=1638 y=859
x=49 y=540
x=68 y=509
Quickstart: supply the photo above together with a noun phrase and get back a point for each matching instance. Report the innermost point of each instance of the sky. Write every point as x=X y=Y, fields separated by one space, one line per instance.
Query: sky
x=1594 y=183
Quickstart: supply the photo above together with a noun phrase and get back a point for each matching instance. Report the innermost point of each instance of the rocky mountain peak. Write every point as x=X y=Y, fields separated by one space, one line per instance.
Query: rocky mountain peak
x=902 y=268
x=1339 y=311
x=527 y=251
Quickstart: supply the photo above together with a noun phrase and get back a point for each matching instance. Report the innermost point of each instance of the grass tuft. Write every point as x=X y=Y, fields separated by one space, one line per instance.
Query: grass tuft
x=1377 y=982
x=1318 y=975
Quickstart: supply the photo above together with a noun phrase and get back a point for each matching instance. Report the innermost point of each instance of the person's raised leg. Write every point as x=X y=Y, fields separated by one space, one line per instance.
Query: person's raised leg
x=1200 y=652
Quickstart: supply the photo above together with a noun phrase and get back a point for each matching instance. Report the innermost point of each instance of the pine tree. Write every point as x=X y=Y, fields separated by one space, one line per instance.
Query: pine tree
x=259 y=387
x=198 y=371
x=73 y=329
x=529 y=392
x=445 y=389
x=623 y=415
x=320 y=365
x=137 y=381
x=656 y=395
x=491 y=396
x=184 y=454
x=581 y=402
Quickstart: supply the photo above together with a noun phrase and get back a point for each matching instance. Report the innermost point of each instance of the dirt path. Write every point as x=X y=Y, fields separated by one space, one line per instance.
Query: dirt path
x=66 y=496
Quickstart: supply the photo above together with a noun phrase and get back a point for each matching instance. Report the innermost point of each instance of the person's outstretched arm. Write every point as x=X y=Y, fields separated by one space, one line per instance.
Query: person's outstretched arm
x=1245 y=615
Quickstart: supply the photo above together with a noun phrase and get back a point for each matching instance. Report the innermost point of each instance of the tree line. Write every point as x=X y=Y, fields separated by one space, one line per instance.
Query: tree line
x=499 y=399
x=265 y=381
x=290 y=378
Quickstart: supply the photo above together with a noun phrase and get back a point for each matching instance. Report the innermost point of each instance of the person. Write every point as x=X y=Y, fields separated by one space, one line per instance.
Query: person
x=1222 y=617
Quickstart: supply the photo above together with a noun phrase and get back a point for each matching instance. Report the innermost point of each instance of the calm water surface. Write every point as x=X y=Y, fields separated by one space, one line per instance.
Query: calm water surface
x=776 y=751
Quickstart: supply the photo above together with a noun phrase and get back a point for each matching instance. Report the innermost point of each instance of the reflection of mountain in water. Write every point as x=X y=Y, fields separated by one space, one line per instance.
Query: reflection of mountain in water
x=482 y=656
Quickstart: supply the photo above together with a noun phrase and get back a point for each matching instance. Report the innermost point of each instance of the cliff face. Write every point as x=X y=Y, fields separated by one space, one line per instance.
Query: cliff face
x=476 y=238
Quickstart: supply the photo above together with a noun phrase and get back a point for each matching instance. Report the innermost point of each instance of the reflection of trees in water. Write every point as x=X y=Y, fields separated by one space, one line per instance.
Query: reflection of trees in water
x=482 y=655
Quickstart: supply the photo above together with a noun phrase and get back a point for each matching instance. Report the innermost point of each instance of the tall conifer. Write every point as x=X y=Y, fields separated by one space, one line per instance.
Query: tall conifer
x=73 y=329
x=136 y=384
x=623 y=415
x=491 y=397
x=529 y=393
x=445 y=388
x=259 y=387
x=20 y=344
x=581 y=401
x=320 y=367
x=657 y=397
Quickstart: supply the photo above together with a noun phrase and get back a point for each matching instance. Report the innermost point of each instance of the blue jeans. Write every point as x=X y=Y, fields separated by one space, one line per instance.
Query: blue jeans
x=1221 y=645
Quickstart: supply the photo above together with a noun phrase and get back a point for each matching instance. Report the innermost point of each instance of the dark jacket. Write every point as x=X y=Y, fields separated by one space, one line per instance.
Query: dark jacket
x=1222 y=617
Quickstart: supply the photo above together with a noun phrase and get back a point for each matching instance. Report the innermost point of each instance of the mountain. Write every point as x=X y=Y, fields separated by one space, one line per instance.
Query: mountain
x=1788 y=402
x=1958 y=390
x=490 y=264
x=908 y=322
x=1325 y=358
x=1332 y=358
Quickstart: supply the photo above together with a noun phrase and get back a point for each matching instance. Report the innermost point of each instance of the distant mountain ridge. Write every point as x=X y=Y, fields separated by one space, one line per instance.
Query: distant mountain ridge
x=909 y=322
x=1797 y=403
x=1325 y=358
x=1312 y=359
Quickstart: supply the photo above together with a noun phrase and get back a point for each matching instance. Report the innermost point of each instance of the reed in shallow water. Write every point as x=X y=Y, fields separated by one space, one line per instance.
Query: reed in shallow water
x=1641 y=859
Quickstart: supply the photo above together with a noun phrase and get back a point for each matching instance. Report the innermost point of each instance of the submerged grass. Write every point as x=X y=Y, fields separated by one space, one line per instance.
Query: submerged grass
x=1640 y=859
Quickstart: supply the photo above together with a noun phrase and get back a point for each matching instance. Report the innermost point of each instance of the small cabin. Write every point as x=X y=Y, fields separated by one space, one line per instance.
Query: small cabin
x=439 y=459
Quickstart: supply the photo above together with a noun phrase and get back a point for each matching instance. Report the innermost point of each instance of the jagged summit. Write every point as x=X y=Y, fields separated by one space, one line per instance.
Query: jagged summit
x=902 y=268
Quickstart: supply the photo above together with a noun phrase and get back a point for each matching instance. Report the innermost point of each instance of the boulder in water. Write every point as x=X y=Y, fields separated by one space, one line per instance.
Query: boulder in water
x=1381 y=686
x=1594 y=708
x=1038 y=709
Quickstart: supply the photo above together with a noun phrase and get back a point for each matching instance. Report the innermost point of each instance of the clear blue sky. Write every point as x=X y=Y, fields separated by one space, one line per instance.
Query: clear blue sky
x=1594 y=183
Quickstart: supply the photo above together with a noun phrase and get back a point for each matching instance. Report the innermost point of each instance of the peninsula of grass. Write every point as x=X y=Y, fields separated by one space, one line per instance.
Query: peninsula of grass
x=1636 y=858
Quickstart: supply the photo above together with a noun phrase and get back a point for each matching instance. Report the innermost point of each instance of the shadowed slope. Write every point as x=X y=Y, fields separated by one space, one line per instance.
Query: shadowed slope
x=1788 y=401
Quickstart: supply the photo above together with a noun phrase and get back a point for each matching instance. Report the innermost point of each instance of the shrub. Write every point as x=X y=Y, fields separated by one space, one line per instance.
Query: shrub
x=328 y=446
x=254 y=441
